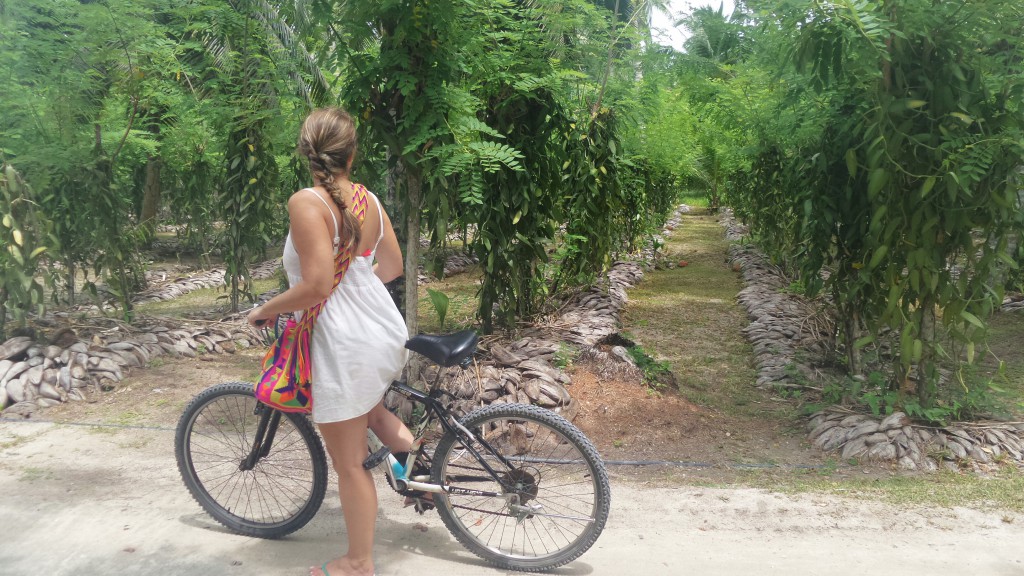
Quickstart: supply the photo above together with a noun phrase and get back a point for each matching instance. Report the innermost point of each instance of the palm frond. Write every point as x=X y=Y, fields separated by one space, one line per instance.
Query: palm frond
x=316 y=91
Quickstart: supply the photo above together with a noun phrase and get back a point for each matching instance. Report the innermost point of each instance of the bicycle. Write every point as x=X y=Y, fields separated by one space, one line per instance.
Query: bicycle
x=517 y=485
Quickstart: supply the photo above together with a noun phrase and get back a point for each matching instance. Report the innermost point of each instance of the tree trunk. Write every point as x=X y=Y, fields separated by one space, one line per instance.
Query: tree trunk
x=396 y=288
x=414 y=181
x=412 y=250
x=927 y=371
x=151 y=197
x=70 y=265
x=852 y=333
x=3 y=315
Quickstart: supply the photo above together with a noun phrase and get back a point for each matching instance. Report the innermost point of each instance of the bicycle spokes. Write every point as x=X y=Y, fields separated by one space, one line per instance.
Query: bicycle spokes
x=527 y=492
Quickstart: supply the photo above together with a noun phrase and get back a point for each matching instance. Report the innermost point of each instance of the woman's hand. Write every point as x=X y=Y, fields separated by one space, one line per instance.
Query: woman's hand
x=259 y=318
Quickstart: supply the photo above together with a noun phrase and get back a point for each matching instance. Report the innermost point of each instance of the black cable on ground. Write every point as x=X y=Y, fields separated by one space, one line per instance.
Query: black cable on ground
x=672 y=463
x=87 y=424
x=690 y=464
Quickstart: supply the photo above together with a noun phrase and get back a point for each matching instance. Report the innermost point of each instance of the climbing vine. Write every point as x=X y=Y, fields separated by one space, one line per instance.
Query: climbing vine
x=896 y=189
x=27 y=236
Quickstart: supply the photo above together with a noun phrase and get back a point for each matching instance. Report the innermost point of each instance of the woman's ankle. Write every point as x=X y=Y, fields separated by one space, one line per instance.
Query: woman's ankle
x=360 y=566
x=346 y=566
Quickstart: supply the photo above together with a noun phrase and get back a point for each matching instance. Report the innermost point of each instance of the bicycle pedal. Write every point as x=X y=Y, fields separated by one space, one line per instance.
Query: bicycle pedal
x=423 y=505
x=374 y=460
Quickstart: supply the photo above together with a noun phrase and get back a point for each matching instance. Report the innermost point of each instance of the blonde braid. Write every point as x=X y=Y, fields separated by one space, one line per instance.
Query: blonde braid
x=351 y=228
x=328 y=141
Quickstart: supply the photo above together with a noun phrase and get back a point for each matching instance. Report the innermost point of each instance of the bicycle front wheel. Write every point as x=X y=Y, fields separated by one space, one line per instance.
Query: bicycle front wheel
x=545 y=504
x=275 y=496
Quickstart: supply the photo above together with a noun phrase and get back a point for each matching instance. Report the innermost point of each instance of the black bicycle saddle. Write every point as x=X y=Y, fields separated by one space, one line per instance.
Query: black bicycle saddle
x=446 y=350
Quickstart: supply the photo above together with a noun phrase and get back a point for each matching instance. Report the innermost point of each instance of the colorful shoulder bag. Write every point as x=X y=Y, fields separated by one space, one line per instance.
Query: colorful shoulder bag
x=286 y=383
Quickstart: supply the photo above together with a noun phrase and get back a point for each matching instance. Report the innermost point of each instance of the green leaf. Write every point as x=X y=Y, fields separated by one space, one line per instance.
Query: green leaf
x=1007 y=259
x=927 y=186
x=877 y=257
x=962 y=117
x=906 y=346
x=879 y=177
x=16 y=254
x=876 y=218
x=863 y=341
x=440 y=301
x=851 y=162
x=971 y=318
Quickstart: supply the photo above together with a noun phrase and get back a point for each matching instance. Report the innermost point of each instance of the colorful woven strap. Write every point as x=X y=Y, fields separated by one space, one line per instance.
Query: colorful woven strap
x=304 y=331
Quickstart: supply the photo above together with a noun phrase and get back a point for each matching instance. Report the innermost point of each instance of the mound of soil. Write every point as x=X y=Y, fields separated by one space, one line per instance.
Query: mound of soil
x=628 y=421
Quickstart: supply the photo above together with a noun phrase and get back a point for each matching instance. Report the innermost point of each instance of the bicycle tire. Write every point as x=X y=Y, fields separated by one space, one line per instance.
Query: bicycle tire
x=280 y=494
x=556 y=468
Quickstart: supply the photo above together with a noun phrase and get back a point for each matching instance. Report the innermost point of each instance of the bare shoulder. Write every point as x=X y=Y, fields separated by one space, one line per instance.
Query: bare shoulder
x=303 y=208
x=300 y=200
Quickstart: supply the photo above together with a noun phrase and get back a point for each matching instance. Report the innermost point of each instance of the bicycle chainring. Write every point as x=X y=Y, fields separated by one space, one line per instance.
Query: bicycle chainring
x=419 y=468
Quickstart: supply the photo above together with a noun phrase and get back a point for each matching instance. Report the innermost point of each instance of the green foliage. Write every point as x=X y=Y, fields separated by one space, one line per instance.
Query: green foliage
x=876 y=395
x=715 y=39
x=117 y=260
x=474 y=118
x=564 y=355
x=247 y=202
x=62 y=133
x=190 y=205
x=26 y=235
x=655 y=372
x=149 y=84
x=891 y=182
x=594 y=198
x=439 y=300
x=481 y=131
x=516 y=211
x=402 y=63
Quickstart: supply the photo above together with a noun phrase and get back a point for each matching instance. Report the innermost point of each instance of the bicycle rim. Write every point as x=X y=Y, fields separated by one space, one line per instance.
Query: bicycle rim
x=278 y=495
x=548 y=508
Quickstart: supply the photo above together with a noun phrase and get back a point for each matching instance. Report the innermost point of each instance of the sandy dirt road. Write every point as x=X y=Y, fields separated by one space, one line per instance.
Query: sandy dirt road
x=83 y=500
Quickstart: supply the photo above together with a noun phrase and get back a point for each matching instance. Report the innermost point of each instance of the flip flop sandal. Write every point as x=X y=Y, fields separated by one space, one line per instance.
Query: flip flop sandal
x=323 y=568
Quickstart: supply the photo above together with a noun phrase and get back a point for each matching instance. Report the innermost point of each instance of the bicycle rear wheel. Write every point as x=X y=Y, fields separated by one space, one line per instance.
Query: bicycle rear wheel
x=551 y=502
x=276 y=496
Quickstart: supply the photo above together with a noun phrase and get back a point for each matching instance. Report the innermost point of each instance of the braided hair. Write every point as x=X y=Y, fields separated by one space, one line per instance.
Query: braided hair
x=328 y=141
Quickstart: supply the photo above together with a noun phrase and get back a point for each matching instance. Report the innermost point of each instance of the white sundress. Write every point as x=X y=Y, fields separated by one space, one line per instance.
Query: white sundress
x=358 y=344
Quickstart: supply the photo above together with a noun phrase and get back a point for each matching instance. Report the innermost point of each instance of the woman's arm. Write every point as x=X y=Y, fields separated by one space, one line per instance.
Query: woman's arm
x=389 y=254
x=312 y=241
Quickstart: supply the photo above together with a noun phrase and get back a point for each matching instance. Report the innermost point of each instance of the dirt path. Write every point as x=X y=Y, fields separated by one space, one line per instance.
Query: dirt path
x=105 y=500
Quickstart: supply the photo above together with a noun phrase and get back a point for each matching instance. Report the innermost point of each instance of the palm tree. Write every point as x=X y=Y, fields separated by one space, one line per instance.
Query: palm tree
x=713 y=37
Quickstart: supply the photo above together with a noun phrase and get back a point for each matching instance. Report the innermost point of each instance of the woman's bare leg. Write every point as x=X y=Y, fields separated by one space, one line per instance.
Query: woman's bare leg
x=389 y=429
x=394 y=434
x=346 y=443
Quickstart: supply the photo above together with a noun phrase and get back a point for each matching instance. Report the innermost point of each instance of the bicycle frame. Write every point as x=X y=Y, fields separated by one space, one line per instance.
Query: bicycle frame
x=435 y=410
x=516 y=484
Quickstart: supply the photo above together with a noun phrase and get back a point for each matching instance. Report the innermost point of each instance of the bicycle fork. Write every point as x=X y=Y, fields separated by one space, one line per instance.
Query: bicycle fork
x=265 y=432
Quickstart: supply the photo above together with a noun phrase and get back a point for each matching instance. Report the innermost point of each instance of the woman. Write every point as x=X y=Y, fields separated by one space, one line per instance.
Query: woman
x=358 y=340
